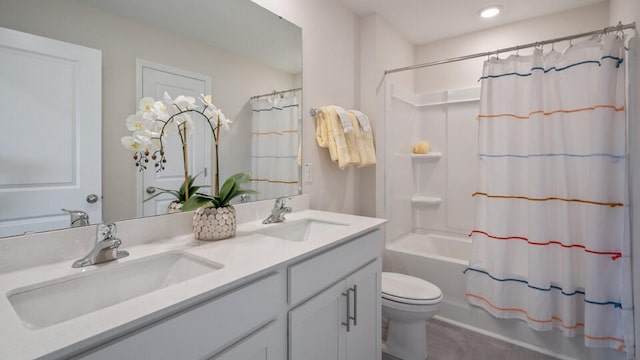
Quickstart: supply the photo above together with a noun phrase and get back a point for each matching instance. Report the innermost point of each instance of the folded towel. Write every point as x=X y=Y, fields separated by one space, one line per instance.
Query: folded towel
x=363 y=120
x=364 y=140
x=347 y=135
x=322 y=130
x=344 y=119
x=346 y=153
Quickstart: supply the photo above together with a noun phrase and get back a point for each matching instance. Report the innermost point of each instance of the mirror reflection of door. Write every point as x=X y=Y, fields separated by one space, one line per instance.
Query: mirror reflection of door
x=51 y=98
x=153 y=80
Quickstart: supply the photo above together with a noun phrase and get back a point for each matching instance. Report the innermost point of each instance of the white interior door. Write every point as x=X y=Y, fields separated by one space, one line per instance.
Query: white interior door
x=50 y=142
x=153 y=80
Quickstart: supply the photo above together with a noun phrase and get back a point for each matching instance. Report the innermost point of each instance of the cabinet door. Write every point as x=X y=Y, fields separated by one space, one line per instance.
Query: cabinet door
x=363 y=339
x=315 y=327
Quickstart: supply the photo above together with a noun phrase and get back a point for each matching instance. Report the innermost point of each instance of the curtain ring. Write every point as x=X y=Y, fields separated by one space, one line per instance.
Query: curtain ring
x=620 y=31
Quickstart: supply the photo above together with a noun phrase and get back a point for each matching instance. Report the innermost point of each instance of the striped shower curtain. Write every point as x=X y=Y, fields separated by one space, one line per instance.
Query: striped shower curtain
x=275 y=143
x=551 y=244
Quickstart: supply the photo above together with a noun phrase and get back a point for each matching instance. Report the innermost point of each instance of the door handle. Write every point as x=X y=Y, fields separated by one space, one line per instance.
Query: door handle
x=355 y=304
x=92 y=198
x=348 y=323
x=151 y=189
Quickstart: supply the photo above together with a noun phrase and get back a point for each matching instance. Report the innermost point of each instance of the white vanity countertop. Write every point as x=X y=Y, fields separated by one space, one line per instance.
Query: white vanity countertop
x=243 y=256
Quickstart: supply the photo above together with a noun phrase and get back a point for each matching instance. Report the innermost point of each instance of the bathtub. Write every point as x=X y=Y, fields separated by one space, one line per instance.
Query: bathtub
x=441 y=258
x=437 y=258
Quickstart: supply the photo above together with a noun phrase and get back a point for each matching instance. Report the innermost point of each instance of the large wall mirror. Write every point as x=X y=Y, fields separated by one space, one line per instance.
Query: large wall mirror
x=248 y=58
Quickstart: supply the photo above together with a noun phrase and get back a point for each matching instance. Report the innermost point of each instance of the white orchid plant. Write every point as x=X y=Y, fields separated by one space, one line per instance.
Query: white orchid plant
x=155 y=120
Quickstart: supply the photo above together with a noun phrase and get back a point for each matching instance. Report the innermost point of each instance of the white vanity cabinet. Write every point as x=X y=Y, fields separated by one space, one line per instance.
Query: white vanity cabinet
x=343 y=320
x=231 y=326
x=325 y=306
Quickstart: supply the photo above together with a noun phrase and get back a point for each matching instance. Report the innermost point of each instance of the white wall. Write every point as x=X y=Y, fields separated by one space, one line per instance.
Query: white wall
x=330 y=76
x=234 y=80
x=466 y=73
x=381 y=47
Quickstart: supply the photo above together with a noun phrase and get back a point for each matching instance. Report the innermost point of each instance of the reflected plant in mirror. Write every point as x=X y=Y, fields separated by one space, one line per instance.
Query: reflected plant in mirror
x=155 y=121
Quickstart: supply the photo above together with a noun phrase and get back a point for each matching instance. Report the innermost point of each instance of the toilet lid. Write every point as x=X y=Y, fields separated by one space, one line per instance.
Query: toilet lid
x=409 y=289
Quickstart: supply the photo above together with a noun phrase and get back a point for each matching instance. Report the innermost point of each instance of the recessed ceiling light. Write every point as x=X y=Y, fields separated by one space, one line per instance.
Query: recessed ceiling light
x=490 y=11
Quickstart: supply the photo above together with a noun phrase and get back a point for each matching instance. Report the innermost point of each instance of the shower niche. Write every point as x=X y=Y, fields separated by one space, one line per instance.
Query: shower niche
x=430 y=192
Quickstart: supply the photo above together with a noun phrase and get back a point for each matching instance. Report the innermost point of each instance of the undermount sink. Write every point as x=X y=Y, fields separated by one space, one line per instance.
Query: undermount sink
x=53 y=302
x=300 y=230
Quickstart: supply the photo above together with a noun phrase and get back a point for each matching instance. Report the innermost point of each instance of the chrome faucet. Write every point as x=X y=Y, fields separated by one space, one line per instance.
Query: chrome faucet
x=278 y=211
x=105 y=249
x=78 y=217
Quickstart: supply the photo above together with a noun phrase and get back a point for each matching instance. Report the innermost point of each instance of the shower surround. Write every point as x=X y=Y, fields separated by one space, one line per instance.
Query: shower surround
x=431 y=211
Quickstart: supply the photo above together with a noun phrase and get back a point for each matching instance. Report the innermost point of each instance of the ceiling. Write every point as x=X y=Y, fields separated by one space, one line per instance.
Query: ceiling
x=423 y=21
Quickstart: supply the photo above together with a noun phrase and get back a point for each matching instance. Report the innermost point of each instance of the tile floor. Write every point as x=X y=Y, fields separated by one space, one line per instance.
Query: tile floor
x=450 y=342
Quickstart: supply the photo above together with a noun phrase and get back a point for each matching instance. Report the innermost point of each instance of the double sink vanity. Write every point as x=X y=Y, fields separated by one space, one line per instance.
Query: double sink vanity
x=306 y=288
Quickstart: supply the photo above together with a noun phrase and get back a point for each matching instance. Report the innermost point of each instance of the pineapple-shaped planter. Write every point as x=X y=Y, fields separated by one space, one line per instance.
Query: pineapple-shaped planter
x=214 y=223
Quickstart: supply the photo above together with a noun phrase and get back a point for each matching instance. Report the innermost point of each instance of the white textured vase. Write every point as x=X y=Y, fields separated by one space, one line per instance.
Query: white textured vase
x=174 y=207
x=214 y=223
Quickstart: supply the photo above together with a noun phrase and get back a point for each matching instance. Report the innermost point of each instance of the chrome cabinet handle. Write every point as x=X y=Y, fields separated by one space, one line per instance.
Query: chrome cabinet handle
x=151 y=189
x=92 y=198
x=348 y=323
x=355 y=304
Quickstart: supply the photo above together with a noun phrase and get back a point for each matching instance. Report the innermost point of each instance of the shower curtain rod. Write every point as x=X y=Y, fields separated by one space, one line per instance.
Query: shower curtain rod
x=619 y=27
x=274 y=93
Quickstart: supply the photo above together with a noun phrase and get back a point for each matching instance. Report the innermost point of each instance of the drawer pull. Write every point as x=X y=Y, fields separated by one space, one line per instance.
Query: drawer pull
x=348 y=323
x=355 y=305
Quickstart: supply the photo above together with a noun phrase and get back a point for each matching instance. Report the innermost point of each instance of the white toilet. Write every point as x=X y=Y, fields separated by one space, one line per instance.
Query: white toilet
x=407 y=302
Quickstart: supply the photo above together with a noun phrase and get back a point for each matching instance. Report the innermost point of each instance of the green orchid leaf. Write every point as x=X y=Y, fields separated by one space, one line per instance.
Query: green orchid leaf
x=229 y=195
x=195 y=202
x=226 y=187
x=194 y=189
x=241 y=178
x=176 y=194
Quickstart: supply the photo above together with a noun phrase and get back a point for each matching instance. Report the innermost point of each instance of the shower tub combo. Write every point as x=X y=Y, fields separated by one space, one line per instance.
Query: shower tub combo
x=441 y=259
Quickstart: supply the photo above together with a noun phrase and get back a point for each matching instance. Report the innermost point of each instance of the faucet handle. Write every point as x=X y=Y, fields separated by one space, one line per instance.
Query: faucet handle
x=78 y=217
x=280 y=202
x=105 y=231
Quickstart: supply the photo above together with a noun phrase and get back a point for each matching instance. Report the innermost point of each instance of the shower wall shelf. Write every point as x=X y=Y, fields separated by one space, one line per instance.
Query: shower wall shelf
x=428 y=156
x=425 y=201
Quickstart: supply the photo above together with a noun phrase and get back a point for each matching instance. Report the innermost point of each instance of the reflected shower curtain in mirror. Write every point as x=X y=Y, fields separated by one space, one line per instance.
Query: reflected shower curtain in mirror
x=551 y=245
x=275 y=145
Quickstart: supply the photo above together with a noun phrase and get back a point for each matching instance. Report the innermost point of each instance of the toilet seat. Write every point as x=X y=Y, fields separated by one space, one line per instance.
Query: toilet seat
x=409 y=290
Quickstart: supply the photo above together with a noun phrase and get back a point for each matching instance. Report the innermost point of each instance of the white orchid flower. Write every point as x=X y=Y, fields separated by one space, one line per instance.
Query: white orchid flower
x=136 y=122
x=160 y=111
x=147 y=140
x=184 y=120
x=206 y=100
x=146 y=103
x=185 y=102
x=211 y=113
x=224 y=122
x=131 y=143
